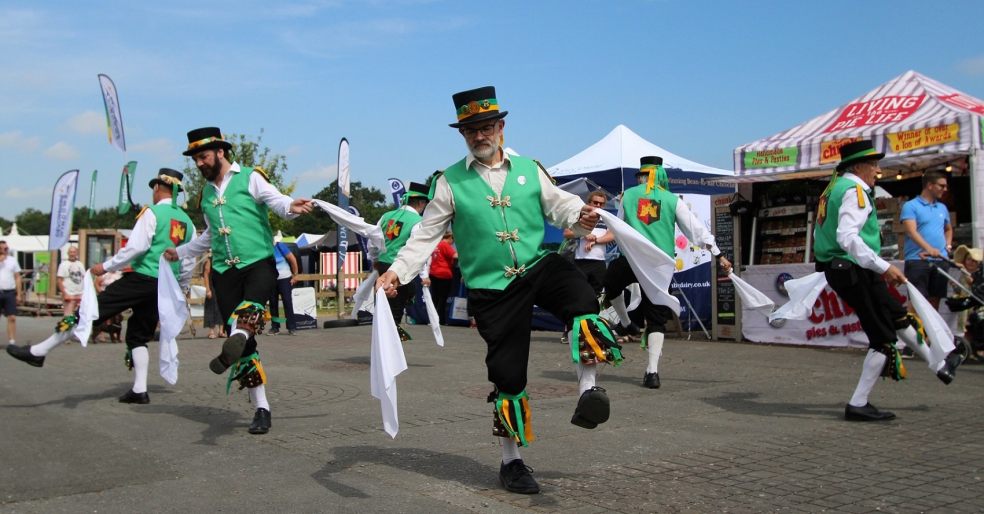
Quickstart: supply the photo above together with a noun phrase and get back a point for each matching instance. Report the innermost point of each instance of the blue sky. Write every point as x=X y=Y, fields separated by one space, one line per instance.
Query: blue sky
x=698 y=78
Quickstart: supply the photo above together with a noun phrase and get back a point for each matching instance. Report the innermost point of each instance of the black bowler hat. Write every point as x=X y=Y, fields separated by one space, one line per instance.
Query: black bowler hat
x=205 y=138
x=476 y=105
x=858 y=151
x=168 y=178
x=649 y=160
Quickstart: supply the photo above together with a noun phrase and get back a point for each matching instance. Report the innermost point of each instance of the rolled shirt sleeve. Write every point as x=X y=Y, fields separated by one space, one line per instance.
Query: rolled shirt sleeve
x=137 y=244
x=849 y=222
x=264 y=192
x=425 y=235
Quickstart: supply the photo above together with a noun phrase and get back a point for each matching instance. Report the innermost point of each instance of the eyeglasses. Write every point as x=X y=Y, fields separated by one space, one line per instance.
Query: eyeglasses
x=485 y=130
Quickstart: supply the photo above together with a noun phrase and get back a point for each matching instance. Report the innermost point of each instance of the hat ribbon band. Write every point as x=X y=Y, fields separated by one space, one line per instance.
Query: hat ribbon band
x=201 y=142
x=862 y=153
x=477 y=107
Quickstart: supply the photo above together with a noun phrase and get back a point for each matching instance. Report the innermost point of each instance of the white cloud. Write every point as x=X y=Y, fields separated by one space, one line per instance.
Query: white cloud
x=15 y=139
x=62 y=151
x=19 y=192
x=319 y=173
x=160 y=148
x=335 y=40
x=972 y=66
x=88 y=122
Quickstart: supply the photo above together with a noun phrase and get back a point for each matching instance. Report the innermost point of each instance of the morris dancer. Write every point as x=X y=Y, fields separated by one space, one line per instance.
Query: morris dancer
x=497 y=203
x=236 y=201
x=160 y=226
x=653 y=211
x=847 y=242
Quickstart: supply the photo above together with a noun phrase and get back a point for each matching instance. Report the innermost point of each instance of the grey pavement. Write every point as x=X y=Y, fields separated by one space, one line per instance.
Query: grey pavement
x=735 y=428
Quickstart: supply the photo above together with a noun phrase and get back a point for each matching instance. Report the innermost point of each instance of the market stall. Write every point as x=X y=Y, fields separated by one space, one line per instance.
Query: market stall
x=919 y=123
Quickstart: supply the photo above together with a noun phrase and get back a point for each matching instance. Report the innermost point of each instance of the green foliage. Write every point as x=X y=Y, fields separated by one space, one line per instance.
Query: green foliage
x=33 y=222
x=105 y=218
x=247 y=152
x=4 y=225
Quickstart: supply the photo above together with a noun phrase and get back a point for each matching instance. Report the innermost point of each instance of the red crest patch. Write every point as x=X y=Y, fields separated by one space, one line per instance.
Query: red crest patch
x=648 y=210
x=393 y=229
x=178 y=232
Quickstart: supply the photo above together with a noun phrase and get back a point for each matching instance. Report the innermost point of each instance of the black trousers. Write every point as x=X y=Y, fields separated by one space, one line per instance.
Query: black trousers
x=440 y=290
x=867 y=293
x=284 y=290
x=404 y=293
x=594 y=270
x=504 y=317
x=255 y=282
x=620 y=276
x=132 y=291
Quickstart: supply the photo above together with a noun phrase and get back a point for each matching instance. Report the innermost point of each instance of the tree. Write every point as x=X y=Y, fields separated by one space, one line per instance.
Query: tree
x=104 y=218
x=246 y=152
x=34 y=222
x=370 y=202
x=4 y=225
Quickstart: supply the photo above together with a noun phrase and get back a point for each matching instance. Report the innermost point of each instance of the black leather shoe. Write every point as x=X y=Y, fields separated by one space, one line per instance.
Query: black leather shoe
x=23 y=353
x=592 y=408
x=232 y=350
x=651 y=380
x=261 y=422
x=866 y=413
x=632 y=330
x=948 y=372
x=131 y=397
x=517 y=477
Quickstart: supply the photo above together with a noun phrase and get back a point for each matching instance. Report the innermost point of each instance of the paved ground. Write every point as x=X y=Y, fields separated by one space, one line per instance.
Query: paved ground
x=735 y=428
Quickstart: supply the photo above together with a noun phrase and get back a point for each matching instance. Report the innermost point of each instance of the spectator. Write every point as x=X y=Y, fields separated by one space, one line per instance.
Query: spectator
x=10 y=290
x=286 y=270
x=928 y=237
x=70 y=275
x=213 y=319
x=589 y=256
x=441 y=273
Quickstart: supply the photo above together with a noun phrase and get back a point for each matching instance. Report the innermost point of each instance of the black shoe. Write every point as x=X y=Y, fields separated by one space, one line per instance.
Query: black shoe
x=232 y=350
x=632 y=330
x=651 y=380
x=131 y=397
x=592 y=408
x=517 y=477
x=23 y=353
x=866 y=413
x=948 y=372
x=261 y=422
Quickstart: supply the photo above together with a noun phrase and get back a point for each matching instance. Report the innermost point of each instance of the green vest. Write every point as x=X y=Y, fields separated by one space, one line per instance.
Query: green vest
x=825 y=246
x=498 y=238
x=653 y=215
x=239 y=227
x=172 y=228
x=396 y=225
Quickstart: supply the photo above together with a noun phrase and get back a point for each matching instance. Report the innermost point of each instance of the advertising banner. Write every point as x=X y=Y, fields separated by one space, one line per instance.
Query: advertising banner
x=830 y=150
x=921 y=138
x=62 y=209
x=887 y=109
x=114 y=117
x=776 y=158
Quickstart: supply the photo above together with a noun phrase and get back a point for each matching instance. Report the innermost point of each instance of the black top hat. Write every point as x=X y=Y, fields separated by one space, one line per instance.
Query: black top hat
x=476 y=105
x=651 y=160
x=205 y=138
x=418 y=190
x=858 y=151
x=168 y=177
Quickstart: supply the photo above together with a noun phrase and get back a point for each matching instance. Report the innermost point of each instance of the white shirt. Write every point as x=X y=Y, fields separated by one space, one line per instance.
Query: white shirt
x=560 y=208
x=597 y=251
x=260 y=189
x=71 y=273
x=690 y=225
x=850 y=219
x=139 y=242
x=8 y=267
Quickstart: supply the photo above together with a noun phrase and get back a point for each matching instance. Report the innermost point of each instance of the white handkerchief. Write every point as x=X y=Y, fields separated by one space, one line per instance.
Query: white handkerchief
x=751 y=297
x=88 y=310
x=939 y=334
x=652 y=267
x=363 y=294
x=386 y=362
x=173 y=310
x=432 y=319
x=803 y=293
x=377 y=244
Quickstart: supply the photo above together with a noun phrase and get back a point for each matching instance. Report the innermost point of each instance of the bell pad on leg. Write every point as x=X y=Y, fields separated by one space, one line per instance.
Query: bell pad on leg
x=894 y=367
x=512 y=412
x=248 y=371
x=67 y=323
x=249 y=316
x=592 y=341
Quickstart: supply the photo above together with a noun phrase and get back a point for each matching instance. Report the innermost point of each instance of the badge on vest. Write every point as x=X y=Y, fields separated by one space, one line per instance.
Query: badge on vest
x=521 y=180
x=648 y=210
x=179 y=230
x=393 y=229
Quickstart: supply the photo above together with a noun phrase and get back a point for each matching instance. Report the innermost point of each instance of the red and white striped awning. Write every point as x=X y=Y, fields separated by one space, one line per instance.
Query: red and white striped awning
x=908 y=118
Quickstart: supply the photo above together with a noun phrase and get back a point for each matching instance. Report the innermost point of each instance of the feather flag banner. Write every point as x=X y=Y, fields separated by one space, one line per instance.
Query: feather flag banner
x=92 y=194
x=62 y=209
x=124 y=203
x=114 y=117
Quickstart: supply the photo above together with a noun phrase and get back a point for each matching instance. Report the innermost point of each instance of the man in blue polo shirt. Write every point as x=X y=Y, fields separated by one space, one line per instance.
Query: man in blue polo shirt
x=928 y=237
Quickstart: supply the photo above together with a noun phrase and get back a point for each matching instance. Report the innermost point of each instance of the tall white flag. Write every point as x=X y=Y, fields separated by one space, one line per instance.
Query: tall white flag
x=114 y=117
x=62 y=209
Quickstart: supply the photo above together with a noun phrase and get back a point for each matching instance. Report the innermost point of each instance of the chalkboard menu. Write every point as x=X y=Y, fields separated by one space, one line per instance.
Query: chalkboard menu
x=726 y=316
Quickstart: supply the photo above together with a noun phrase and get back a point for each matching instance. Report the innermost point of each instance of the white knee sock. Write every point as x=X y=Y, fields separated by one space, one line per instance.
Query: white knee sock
x=510 y=450
x=874 y=362
x=618 y=303
x=586 y=374
x=654 y=346
x=908 y=336
x=257 y=395
x=141 y=359
x=41 y=349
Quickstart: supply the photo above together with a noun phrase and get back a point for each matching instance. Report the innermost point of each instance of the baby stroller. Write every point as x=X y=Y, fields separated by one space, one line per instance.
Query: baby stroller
x=970 y=344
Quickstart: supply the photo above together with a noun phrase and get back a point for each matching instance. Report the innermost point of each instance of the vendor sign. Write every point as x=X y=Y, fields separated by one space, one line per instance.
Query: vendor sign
x=830 y=150
x=964 y=102
x=887 y=109
x=775 y=158
x=908 y=140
